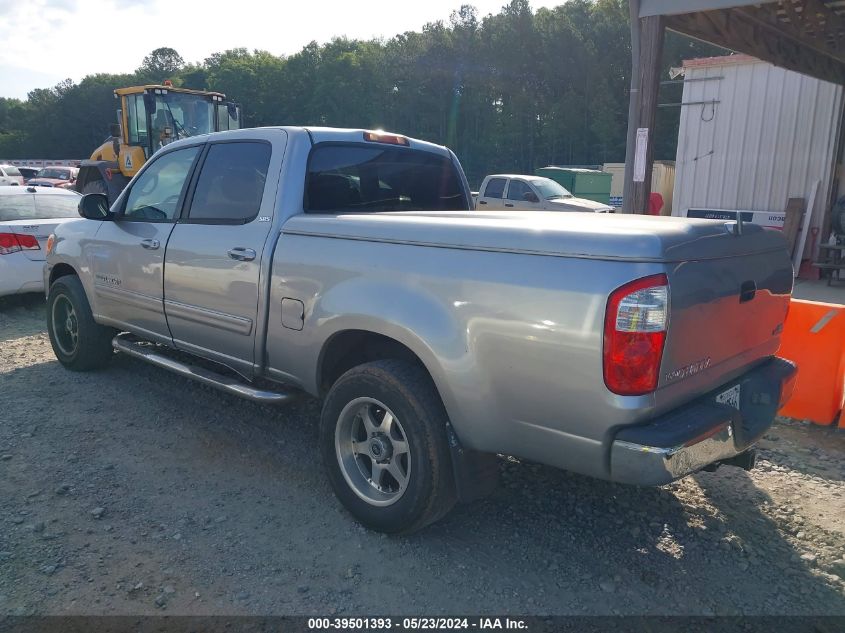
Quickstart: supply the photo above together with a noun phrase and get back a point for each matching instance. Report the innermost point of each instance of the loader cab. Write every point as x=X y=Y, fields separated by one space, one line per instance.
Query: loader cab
x=148 y=118
x=154 y=116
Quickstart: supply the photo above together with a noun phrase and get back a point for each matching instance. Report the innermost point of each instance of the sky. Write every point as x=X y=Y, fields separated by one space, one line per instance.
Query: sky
x=46 y=41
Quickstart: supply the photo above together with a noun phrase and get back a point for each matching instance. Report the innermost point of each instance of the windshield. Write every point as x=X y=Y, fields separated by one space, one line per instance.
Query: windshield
x=11 y=170
x=549 y=189
x=179 y=116
x=53 y=172
x=38 y=207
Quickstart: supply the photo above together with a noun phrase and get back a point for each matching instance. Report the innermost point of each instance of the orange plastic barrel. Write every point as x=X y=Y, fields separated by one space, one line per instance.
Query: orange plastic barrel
x=814 y=339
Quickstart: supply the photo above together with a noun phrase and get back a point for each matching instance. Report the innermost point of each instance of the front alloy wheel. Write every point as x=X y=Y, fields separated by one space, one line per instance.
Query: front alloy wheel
x=65 y=325
x=79 y=342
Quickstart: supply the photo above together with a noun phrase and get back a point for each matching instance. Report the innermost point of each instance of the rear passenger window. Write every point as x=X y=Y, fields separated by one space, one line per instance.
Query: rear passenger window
x=373 y=178
x=231 y=183
x=495 y=188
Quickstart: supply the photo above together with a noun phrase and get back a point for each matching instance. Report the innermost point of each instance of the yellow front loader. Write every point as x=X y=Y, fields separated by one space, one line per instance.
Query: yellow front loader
x=150 y=117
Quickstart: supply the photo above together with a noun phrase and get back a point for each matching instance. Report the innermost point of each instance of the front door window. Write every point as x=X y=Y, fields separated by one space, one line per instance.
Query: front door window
x=517 y=191
x=155 y=195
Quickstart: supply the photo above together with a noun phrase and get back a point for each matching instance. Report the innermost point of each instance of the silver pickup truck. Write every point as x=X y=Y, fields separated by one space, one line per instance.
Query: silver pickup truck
x=349 y=265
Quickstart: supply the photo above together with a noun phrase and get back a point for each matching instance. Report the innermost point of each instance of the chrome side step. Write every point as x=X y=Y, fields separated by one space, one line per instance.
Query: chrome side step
x=131 y=346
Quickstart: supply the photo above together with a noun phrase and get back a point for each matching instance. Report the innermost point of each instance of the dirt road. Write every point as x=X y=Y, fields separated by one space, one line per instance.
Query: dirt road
x=132 y=491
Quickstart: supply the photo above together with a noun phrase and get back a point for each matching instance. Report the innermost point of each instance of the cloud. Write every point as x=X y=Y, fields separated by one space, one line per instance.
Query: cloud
x=63 y=5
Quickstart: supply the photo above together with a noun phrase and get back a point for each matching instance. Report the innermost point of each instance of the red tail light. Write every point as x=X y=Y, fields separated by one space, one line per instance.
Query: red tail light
x=634 y=334
x=14 y=242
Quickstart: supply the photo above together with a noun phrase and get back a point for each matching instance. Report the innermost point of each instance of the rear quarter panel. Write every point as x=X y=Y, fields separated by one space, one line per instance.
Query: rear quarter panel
x=513 y=342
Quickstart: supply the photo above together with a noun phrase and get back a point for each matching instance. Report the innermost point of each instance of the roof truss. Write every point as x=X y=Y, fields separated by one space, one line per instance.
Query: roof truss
x=806 y=36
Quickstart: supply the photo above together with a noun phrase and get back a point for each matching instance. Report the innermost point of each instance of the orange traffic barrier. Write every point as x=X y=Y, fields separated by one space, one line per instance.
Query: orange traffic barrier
x=814 y=339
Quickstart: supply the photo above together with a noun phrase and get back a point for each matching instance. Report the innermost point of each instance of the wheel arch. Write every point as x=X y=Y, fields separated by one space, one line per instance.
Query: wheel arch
x=61 y=269
x=64 y=269
x=348 y=348
x=356 y=340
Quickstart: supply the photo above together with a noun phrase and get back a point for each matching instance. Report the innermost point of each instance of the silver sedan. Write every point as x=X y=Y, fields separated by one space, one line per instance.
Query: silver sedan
x=27 y=217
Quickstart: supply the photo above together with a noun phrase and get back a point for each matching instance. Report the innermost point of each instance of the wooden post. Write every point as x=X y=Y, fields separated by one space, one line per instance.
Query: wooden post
x=641 y=154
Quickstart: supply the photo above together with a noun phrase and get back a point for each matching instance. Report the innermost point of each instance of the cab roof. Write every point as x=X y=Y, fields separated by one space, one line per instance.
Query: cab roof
x=320 y=135
x=524 y=176
x=140 y=89
x=356 y=135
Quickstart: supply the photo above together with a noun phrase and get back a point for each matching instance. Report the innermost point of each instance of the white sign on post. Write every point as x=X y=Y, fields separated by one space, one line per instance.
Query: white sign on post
x=639 y=154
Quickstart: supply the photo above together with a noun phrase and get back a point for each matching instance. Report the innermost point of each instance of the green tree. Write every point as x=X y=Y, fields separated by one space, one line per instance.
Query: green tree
x=510 y=91
x=163 y=63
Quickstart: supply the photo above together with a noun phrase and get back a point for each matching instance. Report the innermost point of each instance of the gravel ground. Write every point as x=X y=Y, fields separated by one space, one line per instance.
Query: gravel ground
x=132 y=491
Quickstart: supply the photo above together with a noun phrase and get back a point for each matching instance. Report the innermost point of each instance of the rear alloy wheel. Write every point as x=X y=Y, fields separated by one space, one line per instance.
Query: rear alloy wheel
x=372 y=450
x=383 y=441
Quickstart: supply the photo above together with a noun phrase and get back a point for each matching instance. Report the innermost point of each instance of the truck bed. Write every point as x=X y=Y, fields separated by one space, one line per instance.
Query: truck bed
x=507 y=312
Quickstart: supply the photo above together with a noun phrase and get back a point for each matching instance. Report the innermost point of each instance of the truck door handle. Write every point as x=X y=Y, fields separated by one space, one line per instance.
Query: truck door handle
x=747 y=291
x=508 y=205
x=150 y=244
x=482 y=202
x=242 y=254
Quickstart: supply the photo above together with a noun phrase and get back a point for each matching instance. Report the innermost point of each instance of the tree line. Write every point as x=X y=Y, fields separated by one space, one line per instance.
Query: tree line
x=508 y=92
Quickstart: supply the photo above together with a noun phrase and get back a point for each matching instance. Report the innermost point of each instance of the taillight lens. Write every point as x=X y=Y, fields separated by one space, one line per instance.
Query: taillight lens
x=634 y=334
x=14 y=242
x=8 y=244
x=28 y=242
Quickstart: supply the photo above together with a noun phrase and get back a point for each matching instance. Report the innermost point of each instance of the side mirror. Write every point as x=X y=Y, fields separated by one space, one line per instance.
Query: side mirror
x=95 y=206
x=114 y=130
x=530 y=196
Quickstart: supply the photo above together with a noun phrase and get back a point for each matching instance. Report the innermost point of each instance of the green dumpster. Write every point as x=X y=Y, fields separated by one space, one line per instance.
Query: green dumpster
x=582 y=183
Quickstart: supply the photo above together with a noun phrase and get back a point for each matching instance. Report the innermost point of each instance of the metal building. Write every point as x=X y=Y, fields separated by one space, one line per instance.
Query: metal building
x=807 y=36
x=754 y=136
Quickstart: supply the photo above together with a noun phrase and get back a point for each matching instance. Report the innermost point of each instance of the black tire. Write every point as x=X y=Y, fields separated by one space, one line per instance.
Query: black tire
x=408 y=392
x=95 y=186
x=92 y=347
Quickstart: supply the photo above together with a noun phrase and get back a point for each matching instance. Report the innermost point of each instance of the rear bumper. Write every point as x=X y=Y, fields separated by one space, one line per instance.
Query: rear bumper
x=19 y=274
x=703 y=432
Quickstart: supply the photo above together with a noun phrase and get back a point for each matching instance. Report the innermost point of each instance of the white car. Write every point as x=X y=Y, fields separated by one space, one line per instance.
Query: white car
x=9 y=175
x=27 y=217
x=505 y=192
